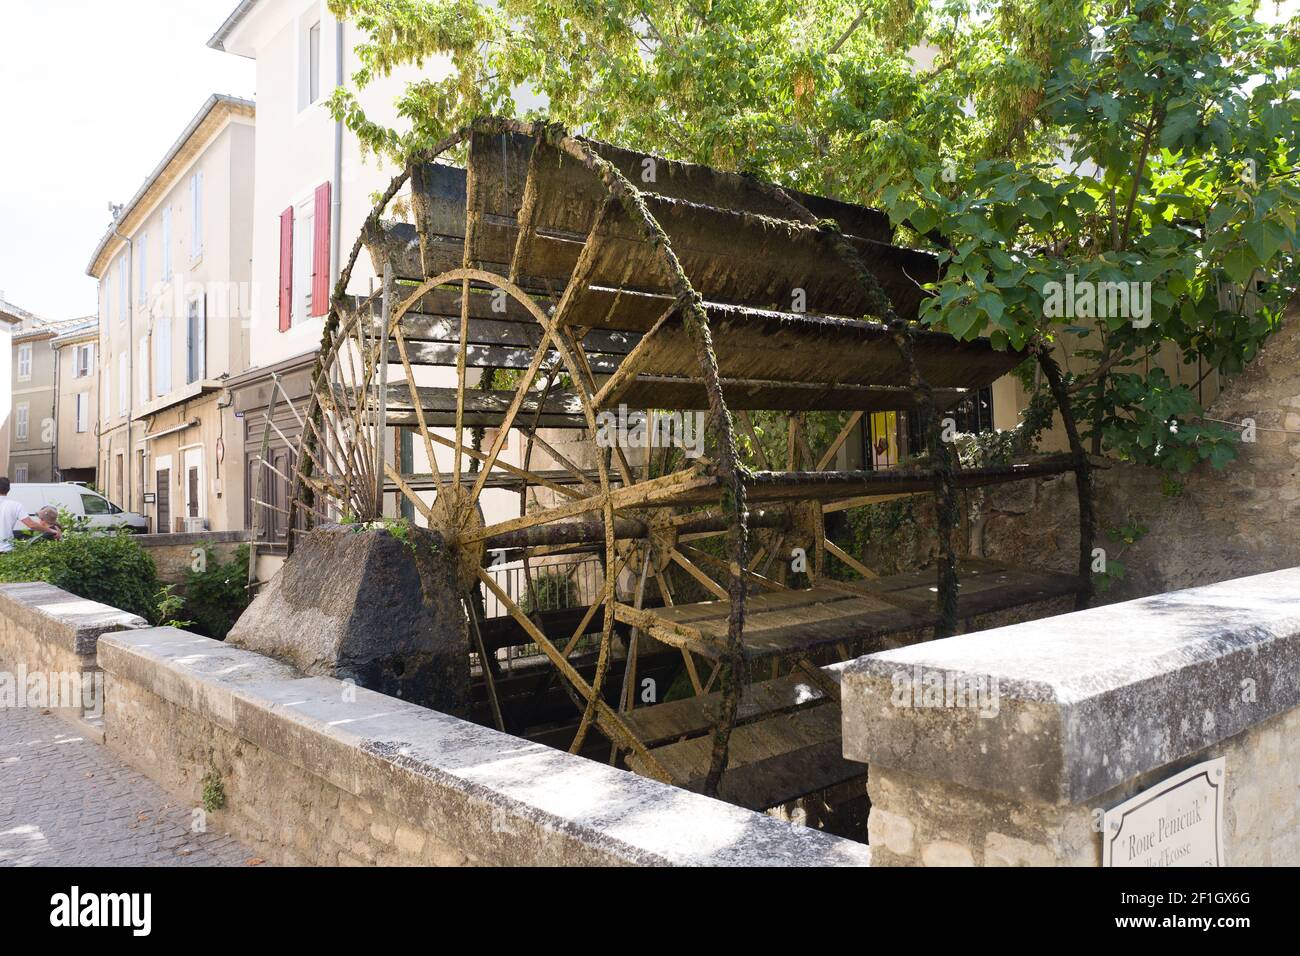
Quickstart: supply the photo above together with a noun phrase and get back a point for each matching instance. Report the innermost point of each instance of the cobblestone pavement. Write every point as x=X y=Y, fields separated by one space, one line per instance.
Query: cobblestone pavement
x=67 y=800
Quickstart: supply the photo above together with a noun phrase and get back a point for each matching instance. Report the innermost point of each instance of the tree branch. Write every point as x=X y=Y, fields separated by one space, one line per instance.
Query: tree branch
x=848 y=33
x=1156 y=115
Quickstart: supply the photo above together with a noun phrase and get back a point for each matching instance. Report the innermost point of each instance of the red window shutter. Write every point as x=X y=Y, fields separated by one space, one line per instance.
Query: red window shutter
x=286 y=269
x=320 y=260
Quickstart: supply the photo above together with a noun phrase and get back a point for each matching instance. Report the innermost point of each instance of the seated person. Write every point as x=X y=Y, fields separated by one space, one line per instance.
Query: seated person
x=13 y=513
x=50 y=518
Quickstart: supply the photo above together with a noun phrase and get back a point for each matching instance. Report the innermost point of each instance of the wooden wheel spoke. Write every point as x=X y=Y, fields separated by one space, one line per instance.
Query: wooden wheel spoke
x=503 y=430
x=687 y=565
x=839 y=441
x=627 y=497
x=848 y=559
x=510 y=469
x=396 y=477
x=606 y=719
x=662 y=580
x=460 y=368
x=749 y=575
x=488 y=680
x=692 y=673
x=581 y=629
x=569 y=466
x=586 y=385
x=418 y=405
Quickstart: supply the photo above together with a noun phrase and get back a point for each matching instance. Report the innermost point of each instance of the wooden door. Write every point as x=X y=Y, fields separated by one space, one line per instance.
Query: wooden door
x=163 y=490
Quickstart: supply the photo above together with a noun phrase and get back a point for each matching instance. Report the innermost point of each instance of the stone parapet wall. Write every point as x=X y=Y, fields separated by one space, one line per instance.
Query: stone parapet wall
x=922 y=821
x=173 y=554
x=319 y=771
x=45 y=631
x=1076 y=714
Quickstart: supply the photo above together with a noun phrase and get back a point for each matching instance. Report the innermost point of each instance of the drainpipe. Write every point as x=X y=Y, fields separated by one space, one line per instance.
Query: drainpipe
x=129 y=461
x=336 y=201
x=54 y=442
x=336 y=179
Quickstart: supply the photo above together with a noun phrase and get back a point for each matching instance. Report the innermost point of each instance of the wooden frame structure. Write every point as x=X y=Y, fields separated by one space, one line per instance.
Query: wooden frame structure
x=557 y=291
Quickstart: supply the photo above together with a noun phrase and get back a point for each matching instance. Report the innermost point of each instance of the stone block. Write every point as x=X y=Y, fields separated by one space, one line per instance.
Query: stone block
x=1081 y=703
x=364 y=606
x=945 y=853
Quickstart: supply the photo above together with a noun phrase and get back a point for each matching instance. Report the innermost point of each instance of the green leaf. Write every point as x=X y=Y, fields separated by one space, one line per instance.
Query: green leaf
x=1265 y=238
x=991 y=303
x=1240 y=263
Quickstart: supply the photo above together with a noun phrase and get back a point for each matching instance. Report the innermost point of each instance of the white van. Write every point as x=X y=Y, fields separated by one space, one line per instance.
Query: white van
x=79 y=501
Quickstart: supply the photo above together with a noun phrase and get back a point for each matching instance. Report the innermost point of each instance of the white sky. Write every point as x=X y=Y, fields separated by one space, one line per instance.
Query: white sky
x=92 y=94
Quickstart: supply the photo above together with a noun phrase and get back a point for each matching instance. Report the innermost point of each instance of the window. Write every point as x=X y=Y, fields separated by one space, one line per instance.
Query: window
x=121 y=288
x=313 y=63
x=95 y=505
x=20 y=422
x=972 y=416
x=24 y=362
x=142 y=250
x=196 y=360
x=123 y=385
x=83 y=412
x=304 y=232
x=309 y=65
x=104 y=394
x=167 y=244
x=305 y=258
x=141 y=471
x=162 y=356
x=83 y=360
x=20 y=473
x=196 y=215
x=142 y=375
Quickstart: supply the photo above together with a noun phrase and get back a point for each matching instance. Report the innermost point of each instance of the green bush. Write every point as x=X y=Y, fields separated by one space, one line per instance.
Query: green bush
x=216 y=596
x=555 y=591
x=107 y=567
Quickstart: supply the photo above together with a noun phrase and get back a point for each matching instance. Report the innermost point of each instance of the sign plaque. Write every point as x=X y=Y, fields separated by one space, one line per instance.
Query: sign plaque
x=1178 y=822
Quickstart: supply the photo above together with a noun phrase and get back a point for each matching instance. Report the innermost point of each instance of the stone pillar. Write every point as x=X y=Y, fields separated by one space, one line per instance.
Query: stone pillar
x=366 y=606
x=1006 y=747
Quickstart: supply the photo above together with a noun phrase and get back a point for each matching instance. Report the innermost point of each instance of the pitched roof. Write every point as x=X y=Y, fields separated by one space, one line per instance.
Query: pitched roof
x=196 y=134
x=218 y=39
x=74 y=330
x=15 y=314
x=42 y=329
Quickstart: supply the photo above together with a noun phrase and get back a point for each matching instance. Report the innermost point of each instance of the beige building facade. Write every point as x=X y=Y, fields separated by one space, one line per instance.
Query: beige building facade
x=31 y=438
x=175 y=300
x=315 y=188
x=11 y=321
x=76 y=401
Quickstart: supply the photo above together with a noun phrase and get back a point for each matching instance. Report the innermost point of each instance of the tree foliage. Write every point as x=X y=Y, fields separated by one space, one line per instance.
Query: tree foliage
x=1178 y=123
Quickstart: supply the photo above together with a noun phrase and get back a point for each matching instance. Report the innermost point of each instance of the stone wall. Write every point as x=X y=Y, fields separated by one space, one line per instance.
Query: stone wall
x=47 y=631
x=284 y=814
x=1217 y=525
x=1081 y=713
x=921 y=821
x=174 y=553
x=319 y=771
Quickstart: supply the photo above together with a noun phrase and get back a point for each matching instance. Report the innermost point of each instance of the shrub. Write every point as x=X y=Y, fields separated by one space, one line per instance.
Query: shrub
x=217 y=595
x=107 y=567
x=555 y=591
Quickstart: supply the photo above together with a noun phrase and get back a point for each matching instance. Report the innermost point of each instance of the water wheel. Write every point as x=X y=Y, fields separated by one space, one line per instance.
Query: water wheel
x=544 y=329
